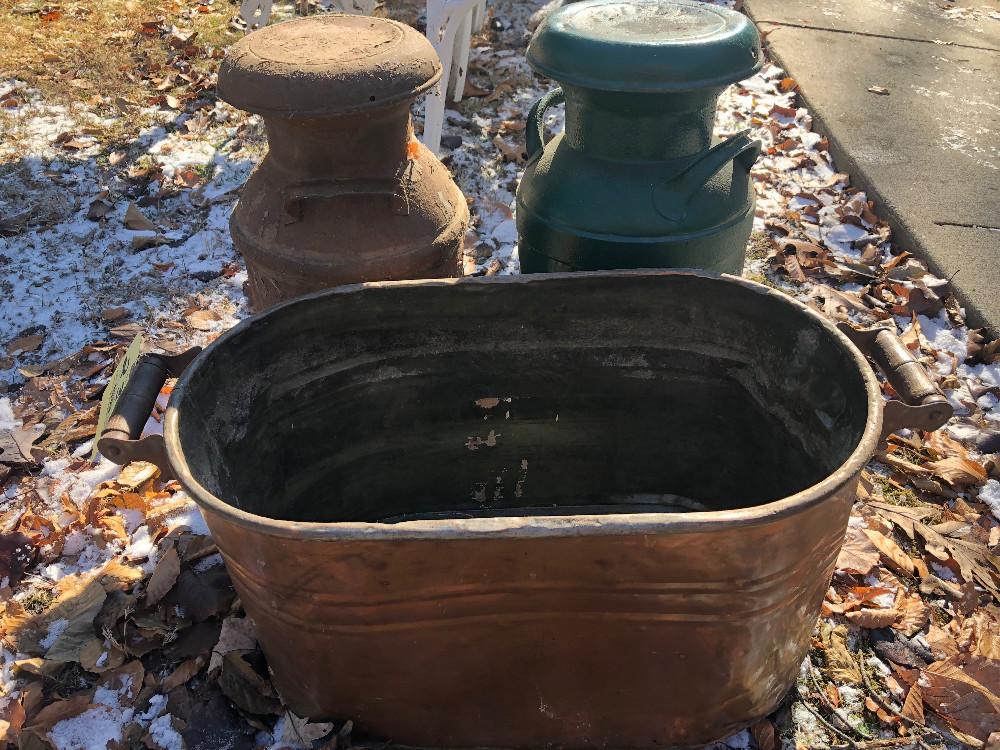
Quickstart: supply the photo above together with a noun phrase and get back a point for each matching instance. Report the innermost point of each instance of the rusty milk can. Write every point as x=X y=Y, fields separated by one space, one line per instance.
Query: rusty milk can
x=345 y=193
x=613 y=527
x=636 y=180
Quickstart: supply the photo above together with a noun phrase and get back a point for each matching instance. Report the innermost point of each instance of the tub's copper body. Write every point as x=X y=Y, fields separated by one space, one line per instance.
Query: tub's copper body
x=579 y=634
x=345 y=193
x=559 y=600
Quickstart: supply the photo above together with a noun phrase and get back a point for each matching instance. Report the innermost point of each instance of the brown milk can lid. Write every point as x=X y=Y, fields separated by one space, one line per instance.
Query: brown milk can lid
x=327 y=65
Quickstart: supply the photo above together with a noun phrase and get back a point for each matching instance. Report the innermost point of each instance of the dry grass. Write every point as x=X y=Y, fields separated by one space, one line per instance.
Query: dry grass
x=99 y=56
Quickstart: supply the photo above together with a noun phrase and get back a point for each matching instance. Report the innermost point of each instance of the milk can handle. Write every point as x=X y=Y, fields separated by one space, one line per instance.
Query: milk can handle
x=671 y=199
x=921 y=405
x=535 y=135
x=120 y=441
x=295 y=194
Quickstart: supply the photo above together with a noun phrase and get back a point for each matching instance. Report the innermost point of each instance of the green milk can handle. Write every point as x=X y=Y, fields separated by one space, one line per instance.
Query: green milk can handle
x=671 y=200
x=535 y=136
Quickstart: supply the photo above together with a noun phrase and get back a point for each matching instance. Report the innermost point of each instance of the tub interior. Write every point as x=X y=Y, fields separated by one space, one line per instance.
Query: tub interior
x=549 y=395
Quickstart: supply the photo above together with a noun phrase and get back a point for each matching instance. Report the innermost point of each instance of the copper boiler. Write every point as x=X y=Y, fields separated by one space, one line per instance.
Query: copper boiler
x=345 y=193
x=612 y=526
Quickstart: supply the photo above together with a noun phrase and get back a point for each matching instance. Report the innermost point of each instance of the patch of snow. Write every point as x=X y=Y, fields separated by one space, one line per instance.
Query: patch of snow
x=945 y=574
x=7 y=419
x=156 y=705
x=113 y=698
x=133 y=519
x=56 y=629
x=990 y=494
x=189 y=516
x=164 y=734
x=84 y=450
x=208 y=562
x=94 y=728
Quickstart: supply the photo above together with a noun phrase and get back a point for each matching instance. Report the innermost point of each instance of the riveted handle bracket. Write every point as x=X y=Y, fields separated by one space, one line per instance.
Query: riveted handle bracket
x=120 y=441
x=921 y=404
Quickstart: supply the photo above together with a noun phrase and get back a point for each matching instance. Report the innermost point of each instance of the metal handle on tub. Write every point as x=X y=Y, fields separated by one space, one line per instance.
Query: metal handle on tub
x=120 y=441
x=922 y=405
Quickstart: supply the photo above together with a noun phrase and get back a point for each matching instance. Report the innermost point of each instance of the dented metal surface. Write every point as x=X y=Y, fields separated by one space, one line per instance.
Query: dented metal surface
x=610 y=522
x=346 y=193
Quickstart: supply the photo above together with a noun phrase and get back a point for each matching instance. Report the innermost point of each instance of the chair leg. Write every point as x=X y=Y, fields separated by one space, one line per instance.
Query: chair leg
x=441 y=33
x=460 y=59
x=479 y=15
x=255 y=13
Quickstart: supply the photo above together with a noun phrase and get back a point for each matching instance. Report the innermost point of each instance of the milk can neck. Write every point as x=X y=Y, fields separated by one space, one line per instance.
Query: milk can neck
x=368 y=144
x=639 y=127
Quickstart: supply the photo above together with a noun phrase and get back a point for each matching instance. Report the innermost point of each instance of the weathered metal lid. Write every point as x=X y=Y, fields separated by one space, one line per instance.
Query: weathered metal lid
x=327 y=65
x=645 y=45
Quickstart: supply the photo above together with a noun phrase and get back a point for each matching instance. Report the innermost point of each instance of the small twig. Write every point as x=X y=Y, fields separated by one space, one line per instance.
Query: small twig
x=846 y=738
x=888 y=707
x=897 y=743
x=829 y=704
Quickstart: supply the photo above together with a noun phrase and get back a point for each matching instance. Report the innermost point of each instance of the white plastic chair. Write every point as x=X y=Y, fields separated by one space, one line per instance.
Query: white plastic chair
x=450 y=24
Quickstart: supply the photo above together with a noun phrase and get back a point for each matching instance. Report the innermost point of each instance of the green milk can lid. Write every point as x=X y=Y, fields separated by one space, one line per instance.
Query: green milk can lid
x=645 y=45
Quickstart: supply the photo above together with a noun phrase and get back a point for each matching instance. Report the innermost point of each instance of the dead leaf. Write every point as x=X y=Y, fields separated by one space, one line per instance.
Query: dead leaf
x=981 y=632
x=244 y=687
x=979 y=349
x=510 y=153
x=857 y=555
x=202 y=595
x=142 y=241
x=137 y=473
x=118 y=575
x=881 y=90
x=872 y=618
x=840 y=663
x=58 y=711
x=913 y=614
x=954 y=691
x=182 y=674
x=25 y=344
x=300 y=732
x=203 y=320
x=164 y=576
x=892 y=553
x=79 y=607
x=98 y=210
x=237 y=634
x=137 y=221
x=764 y=735
x=18 y=555
x=114 y=314
x=11 y=720
x=99 y=656
x=904 y=517
x=127 y=678
x=913 y=706
x=958 y=471
x=974 y=561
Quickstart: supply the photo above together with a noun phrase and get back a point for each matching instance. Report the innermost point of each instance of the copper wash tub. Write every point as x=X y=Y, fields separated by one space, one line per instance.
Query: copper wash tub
x=580 y=510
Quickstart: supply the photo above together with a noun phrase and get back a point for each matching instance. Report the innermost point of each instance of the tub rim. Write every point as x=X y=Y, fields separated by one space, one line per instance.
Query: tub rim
x=533 y=526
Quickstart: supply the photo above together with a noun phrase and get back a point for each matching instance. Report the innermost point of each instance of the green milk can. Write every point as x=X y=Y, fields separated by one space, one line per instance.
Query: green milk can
x=636 y=180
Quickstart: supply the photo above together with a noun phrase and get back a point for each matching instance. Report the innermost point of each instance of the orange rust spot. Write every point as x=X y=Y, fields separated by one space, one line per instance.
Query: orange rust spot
x=413 y=149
